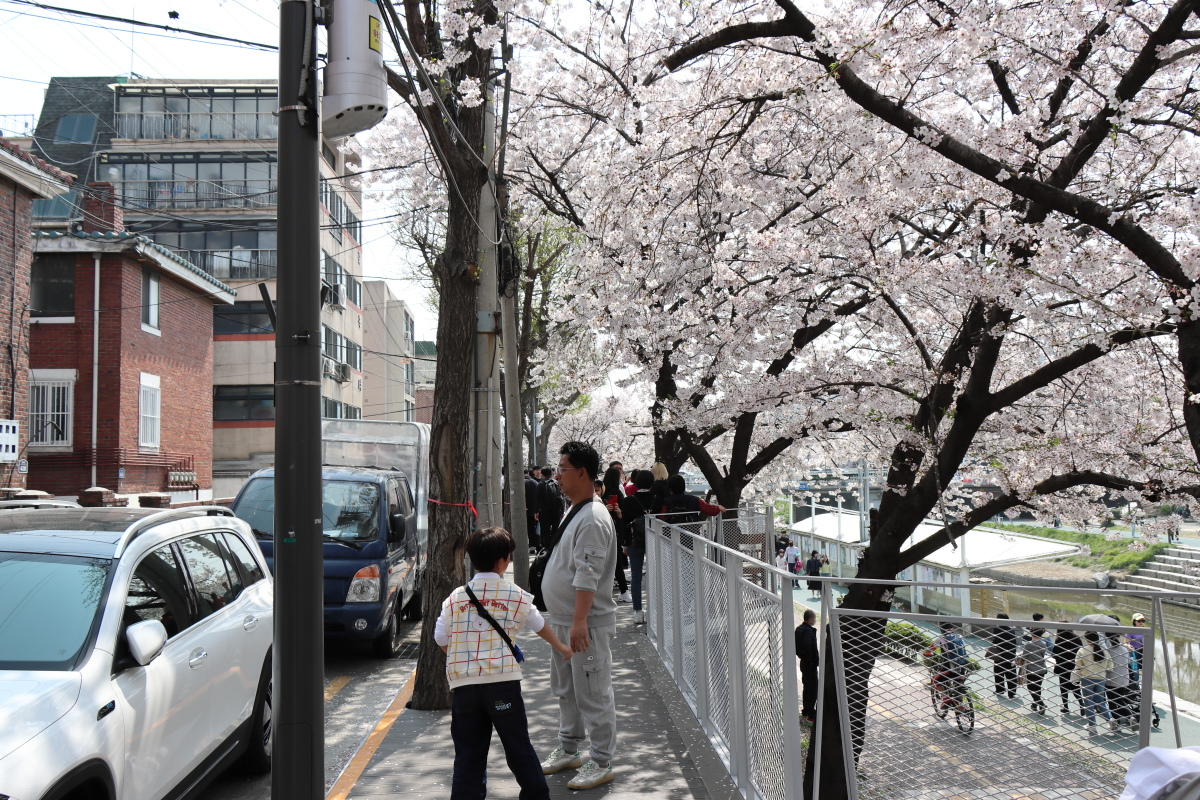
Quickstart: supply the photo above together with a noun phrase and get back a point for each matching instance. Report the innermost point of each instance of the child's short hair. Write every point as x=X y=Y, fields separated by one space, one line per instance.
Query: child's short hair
x=486 y=546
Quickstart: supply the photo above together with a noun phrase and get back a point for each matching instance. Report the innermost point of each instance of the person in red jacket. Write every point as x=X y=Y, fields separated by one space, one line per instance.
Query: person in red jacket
x=682 y=507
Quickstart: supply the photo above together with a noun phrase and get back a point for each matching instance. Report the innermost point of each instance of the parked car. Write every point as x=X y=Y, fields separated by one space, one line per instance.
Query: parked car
x=9 y=505
x=135 y=652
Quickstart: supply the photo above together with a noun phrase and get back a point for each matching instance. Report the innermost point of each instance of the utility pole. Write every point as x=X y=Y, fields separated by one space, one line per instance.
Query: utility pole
x=298 y=657
x=864 y=502
x=486 y=386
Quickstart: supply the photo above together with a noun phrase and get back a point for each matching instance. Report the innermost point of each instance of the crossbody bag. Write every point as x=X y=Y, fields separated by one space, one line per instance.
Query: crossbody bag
x=488 y=618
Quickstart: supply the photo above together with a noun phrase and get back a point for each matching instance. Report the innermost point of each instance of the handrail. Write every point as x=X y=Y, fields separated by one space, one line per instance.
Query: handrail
x=131 y=533
x=912 y=582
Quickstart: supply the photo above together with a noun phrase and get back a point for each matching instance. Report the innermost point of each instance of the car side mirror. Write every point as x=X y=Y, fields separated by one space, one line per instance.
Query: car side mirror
x=146 y=640
x=396 y=532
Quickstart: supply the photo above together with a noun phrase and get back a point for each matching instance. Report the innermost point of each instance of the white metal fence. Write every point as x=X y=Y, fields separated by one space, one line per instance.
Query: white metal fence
x=726 y=633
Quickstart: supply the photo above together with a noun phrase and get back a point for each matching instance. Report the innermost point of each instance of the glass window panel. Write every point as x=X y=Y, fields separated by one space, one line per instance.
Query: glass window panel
x=153 y=104
x=208 y=172
x=135 y=172
x=219 y=240
x=235 y=171
x=246 y=105
x=222 y=105
x=193 y=240
x=161 y=172
x=157 y=591
x=50 y=604
x=252 y=573
x=206 y=563
x=245 y=239
x=129 y=104
x=177 y=105
x=258 y=170
x=168 y=239
x=52 y=286
x=266 y=240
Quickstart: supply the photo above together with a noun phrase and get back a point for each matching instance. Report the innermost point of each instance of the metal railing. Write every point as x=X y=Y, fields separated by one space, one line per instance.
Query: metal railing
x=199 y=194
x=724 y=629
x=250 y=125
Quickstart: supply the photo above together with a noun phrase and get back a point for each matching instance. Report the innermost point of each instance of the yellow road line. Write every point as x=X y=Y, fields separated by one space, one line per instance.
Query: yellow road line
x=335 y=686
x=358 y=763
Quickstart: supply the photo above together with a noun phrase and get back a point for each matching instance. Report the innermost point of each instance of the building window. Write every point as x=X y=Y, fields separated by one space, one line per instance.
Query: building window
x=52 y=286
x=51 y=397
x=330 y=408
x=242 y=317
x=409 y=409
x=76 y=129
x=61 y=206
x=351 y=412
x=353 y=355
x=149 y=411
x=329 y=156
x=334 y=344
x=232 y=403
x=151 y=289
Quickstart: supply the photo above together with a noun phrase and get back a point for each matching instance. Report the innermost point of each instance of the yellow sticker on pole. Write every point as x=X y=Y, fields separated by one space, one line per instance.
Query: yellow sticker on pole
x=374 y=34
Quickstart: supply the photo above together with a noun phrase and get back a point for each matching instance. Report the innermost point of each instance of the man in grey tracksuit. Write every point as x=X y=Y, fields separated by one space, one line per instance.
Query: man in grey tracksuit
x=577 y=587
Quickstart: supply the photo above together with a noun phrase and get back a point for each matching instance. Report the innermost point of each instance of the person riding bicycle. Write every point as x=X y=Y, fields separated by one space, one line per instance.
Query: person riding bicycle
x=948 y=656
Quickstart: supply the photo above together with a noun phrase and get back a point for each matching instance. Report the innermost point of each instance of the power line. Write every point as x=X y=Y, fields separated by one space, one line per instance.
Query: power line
x=127 y=21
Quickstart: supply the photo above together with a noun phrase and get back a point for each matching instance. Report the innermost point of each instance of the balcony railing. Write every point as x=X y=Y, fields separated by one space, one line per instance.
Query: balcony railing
x=234 y=264
x=138 y=125
x=199 y=194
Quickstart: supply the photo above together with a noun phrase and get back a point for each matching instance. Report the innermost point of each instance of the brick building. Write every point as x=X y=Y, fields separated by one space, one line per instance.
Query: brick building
x=147 y=428
x=24 y=179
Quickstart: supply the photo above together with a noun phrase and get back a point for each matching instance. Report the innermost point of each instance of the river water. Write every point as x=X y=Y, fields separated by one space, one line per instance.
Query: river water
x=1182 y=626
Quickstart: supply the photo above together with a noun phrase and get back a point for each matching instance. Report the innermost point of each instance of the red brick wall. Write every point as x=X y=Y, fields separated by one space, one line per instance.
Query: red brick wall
x=181 y=357
x=424 y=411
x=14 y=315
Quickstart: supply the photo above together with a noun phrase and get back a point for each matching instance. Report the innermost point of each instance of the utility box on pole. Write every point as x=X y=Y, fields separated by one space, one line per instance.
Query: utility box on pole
x=355 y=96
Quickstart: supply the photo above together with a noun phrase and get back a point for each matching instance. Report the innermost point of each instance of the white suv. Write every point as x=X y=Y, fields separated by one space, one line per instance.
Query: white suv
x=135 y=652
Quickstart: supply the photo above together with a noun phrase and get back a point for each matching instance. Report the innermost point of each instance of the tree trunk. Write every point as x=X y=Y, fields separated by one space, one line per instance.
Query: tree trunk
x=450 y=456
x=1188 y=335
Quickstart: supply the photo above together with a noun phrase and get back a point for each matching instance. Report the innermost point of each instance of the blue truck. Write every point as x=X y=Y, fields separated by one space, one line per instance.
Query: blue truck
x=375 y=492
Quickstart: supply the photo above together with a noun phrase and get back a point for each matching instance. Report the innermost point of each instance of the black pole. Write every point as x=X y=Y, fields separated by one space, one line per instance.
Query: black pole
x=299 y=725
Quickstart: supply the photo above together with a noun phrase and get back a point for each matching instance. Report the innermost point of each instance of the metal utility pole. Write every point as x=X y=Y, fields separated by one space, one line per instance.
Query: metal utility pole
x=486 y=386
x=299 y=723
x=512 y=433
x=864 y=502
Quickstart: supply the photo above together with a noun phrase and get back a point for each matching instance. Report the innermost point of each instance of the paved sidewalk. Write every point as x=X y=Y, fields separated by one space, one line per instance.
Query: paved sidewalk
x=659 y=753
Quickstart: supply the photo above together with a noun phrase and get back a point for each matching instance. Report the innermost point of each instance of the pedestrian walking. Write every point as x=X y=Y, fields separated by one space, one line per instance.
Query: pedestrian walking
x=1034 y=653
x=812 y=568
x=580 y=609
x=612 y=494
x=1066 y=645
x=1091 y=671
x=1116 y=683
x=475 y=630
x=634 y=510
x=1003 y=652
x=1136 y=641
x=807 y=652
x=658 y=471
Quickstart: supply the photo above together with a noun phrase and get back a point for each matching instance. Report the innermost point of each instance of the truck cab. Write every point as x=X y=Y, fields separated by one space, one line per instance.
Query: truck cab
x=373 y=526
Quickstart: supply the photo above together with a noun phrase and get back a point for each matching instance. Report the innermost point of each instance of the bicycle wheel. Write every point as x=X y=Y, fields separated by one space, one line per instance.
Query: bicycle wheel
x=939 y=709
x=964 y=714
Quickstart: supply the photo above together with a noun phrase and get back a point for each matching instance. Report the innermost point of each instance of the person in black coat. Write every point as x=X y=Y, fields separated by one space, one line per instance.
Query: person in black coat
x=531 y=487
x=550 y=508
x=1066 y=646
x=1004 y=658
x=807 y=652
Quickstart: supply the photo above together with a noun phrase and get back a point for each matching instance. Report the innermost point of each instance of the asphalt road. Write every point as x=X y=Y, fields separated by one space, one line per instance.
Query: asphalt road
x=358 y=689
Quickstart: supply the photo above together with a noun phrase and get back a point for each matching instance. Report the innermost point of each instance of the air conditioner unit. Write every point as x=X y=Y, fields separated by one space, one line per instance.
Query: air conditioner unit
x=329 y=367
x=338 y=296
x=342 y=373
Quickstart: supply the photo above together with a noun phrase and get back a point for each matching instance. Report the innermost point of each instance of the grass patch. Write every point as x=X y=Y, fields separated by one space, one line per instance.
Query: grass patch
x=1108 y=556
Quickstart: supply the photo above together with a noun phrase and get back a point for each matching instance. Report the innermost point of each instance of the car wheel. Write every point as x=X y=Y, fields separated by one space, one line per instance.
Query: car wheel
x=257 y=758
x=387 y=644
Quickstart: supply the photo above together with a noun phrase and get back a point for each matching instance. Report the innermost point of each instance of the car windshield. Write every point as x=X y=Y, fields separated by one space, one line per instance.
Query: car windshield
x=350 y=509
x=48 y=605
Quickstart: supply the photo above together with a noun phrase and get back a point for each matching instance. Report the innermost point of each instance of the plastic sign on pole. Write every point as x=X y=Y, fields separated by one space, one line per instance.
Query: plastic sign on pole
x=355 y=82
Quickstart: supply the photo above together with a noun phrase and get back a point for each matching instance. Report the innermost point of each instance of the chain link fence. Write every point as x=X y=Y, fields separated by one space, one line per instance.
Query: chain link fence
x=976 y=723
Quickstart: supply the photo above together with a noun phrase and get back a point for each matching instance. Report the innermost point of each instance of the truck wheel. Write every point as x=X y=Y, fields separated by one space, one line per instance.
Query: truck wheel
x=387 y=644
x=257 y=758
x=412 y=609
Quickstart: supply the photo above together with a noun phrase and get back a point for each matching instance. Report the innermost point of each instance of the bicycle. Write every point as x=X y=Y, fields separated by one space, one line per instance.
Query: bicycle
x=949 y=690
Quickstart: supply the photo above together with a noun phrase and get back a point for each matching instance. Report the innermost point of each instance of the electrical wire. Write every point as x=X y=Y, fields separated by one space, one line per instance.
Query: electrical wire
x=127 y=21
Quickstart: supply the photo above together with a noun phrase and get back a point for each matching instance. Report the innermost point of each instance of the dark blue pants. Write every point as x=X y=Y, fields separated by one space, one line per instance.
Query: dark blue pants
x=637 y=557
x=476 y=710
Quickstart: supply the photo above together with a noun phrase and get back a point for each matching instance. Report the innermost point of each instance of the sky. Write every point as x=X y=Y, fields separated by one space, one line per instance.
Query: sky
x=44 y=44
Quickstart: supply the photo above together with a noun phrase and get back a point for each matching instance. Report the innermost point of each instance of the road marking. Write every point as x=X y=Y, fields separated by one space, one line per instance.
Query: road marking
x=359 y=761
x=335 y=686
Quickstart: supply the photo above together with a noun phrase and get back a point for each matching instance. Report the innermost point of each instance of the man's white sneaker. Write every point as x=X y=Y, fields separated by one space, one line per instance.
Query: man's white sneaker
x=1114 y=726
x=591 y=775
x=559 y=760
x=625 y=597
x=639 y=618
